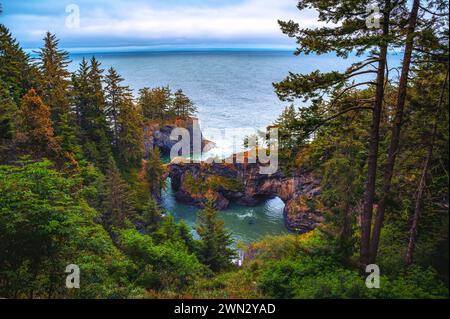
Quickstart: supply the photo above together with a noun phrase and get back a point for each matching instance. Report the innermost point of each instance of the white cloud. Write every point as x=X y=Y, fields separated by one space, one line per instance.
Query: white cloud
x=251 y=19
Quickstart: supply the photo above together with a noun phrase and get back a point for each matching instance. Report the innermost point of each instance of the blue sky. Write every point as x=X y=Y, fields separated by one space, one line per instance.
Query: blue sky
x=190 y=23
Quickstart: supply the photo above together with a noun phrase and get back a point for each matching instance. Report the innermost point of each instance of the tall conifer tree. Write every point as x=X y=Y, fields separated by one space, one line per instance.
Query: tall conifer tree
x=182 y=105
x=131 y=133
x=55 y=79
x=117 y=96
x=215 y=240
x=16 y=72
x=90 y=109
x=54 y=89
x=155 y=103
x=116 y=199
x=154 y=172
x=420 y=18
x=8 y=111
x=34 y=134
x=355 y=32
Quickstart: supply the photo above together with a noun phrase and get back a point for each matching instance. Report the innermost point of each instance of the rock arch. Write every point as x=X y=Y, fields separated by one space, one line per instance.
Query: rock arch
x=299 y=193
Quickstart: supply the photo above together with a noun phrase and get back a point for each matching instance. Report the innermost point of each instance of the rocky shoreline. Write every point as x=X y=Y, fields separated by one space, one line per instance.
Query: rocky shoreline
x=239 y=183
x=242 y=184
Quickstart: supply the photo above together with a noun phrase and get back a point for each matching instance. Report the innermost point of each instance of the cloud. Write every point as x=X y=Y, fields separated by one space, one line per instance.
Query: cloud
x=139 y=22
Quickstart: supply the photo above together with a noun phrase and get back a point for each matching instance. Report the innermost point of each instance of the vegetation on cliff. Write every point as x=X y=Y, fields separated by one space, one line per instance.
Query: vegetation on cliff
x=201 y=185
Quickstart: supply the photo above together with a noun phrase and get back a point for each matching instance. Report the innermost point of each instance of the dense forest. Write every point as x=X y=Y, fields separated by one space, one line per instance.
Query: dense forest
x=77 y=187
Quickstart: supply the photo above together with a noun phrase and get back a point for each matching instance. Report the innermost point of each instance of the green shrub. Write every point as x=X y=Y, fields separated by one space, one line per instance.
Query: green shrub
x=170 y=262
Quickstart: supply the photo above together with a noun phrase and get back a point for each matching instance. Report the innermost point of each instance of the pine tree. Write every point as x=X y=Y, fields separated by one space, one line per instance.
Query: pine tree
x=154 y=172
x=116 y=96
x=90 y=109
x=97 y=127
x=185 y=233
x=429 y=96
x=55 y=79
x=81 y=92
x=350 y=34
x=16 y=73
x=418 y=26
x=17 y=76
x=182 y=106
x=34 y=130
x=131 y=134
x=155 y=103
x=116 y=199
x=152 y=216
x=8 y=111
x=290 y=137
x=215 y=243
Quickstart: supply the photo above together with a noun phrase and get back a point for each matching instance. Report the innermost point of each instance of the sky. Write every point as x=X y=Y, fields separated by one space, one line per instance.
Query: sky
x=156 y=23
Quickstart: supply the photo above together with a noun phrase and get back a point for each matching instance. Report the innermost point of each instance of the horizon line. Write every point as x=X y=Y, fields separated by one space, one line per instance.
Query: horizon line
x=169 y=48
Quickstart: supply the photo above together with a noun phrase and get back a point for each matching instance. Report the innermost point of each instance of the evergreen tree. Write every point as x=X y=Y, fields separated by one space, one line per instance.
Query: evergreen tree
x=351 y=34
x=155 y=103
x=16 y=73
x=8 y=111
x=418 y=26
x=90 y=109
x=182 y=106
x=81 y=92
x=290 y=137
x=34 y=130
x=116 y=199
x=152 y=216
x=131 y=134
x=215 y=243
x=167 y=231
x=17 y=76
x=428 y=144
x=116 y=96
x=185 y=233
x=154 y=172
x=45 y=226
x=55 y=79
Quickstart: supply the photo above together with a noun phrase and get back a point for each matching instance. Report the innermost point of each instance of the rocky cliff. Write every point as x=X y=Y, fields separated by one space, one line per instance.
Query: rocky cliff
x=243 y=184
x=158 y=134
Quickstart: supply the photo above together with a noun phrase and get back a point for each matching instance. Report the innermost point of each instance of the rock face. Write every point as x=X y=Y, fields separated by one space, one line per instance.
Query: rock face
x=243 y=184
x=301 y=212
x=156 y=134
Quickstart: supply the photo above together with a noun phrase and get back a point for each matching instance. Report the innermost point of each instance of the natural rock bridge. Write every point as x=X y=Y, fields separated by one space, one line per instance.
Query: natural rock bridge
x=243 y=184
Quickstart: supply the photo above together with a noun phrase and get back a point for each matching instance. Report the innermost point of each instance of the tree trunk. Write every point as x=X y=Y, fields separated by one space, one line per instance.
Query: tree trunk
x=422 y=184
x=369 y=194
x=396 y=129
x=418 y=203
x=345 y=233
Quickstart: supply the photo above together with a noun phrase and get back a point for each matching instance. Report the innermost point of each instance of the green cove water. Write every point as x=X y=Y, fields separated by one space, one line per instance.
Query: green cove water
x=246 y=224
x=233 y=92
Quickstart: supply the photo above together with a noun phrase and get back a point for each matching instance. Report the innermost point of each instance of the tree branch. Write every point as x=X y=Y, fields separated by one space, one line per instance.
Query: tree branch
x=359 y=67
x=359 y=73
x=433 y=13
x=324 y=121
x=348 y=89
